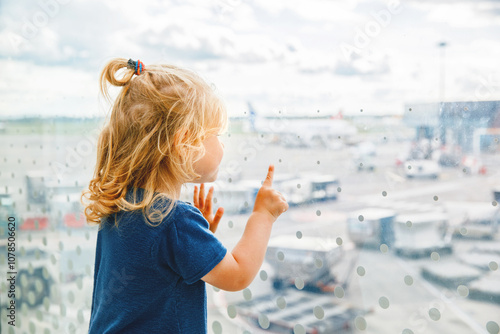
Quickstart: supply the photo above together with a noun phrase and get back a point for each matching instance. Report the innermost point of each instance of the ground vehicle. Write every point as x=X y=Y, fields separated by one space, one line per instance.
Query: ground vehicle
x=307 y=275
x=309 y=258
x=239 y=197
x=67 y=211
x=419 y=234
x=235 y=197
x=422 y=168
x=473 y=220
x=371 y=227
x=363 y=154
x=306 y=188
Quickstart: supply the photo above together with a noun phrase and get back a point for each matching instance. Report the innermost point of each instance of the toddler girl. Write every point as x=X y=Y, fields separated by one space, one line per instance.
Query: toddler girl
x=154 y=252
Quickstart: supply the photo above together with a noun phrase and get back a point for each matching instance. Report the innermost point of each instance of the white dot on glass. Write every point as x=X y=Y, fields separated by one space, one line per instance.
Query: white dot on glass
x=263 y=321
x=230 y=224
x=71 y=297
x=298 y=235
x=383 y=302
x=318 y=262
x=408 y=280
x=409 y=224
x=318 y=213
x=281 y=302
x=384 y=248
x=434 y=314
x=463 y=231
x=299 y=329
x=492 y=327
x=384 y=193
x=231 y=311
x=435 y=198
x=263 y=275
x=299 y=283
x=360 y=323
x=63 y=310
x=493 y=265
x=361 y=271
x=407 y=331
x=247 y=294
x=319 y=312
x=435 y=256
x=339 y=241
x=463 y=290
x=80 y=316
x=339 y=292
x=217 y=327
x=361 y=218
x=494 y=203
x=31 y=297
x=46 y=303
x=281 y=256
x=32 y=328
x=339 y=189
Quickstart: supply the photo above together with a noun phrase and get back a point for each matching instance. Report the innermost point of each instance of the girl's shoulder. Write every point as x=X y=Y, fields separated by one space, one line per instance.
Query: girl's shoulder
x=184 y=208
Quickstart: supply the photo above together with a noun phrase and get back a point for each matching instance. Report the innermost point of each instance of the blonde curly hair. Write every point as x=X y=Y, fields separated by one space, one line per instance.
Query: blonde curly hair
x=155 y=133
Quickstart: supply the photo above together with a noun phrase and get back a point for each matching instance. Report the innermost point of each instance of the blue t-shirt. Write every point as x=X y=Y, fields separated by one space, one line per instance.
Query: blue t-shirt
x=147 y=279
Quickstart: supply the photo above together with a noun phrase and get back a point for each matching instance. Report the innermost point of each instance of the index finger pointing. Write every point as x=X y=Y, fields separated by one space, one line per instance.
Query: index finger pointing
x=268 y=182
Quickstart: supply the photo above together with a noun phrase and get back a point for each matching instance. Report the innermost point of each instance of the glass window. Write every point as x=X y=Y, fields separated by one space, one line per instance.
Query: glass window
x=382 y=119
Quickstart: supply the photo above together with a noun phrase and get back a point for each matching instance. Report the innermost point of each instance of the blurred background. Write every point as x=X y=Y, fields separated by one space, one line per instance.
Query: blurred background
x=381 y=117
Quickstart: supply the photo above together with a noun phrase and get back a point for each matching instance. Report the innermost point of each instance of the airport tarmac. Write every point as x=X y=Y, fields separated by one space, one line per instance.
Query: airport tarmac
x=411 y=307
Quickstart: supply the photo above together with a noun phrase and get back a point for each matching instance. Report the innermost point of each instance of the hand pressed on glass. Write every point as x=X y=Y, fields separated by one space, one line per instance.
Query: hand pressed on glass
x=204 y=204
x=237 y=269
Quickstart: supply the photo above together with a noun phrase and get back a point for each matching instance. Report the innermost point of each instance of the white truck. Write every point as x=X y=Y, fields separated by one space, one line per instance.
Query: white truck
x=309 y=277
x=420 y=234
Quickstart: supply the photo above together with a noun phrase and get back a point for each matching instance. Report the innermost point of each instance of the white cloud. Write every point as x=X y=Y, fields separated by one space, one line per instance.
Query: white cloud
x=274 y=52
x=462 y=14
x=314 y=10
x=41 y=90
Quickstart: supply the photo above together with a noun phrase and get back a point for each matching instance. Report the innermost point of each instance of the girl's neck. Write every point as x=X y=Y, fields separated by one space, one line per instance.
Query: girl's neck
x=177 y=190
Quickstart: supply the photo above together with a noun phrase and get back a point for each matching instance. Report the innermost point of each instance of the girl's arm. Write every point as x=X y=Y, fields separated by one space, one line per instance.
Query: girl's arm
x=238 y=269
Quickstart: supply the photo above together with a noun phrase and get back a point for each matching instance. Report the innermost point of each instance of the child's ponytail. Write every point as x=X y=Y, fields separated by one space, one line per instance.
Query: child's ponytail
x=109 y=75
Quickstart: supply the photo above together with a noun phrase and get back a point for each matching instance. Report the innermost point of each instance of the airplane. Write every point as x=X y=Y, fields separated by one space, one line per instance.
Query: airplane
x=330 y=132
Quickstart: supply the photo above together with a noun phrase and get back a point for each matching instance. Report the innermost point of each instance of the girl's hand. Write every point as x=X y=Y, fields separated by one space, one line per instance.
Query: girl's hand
x=205 y=206
x=269 y=200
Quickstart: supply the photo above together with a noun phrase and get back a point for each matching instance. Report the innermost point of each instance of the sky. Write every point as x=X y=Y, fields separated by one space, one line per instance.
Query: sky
x=298 y=57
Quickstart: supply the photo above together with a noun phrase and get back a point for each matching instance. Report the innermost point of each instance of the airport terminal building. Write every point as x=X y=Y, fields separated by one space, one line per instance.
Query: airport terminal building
x=474 y=126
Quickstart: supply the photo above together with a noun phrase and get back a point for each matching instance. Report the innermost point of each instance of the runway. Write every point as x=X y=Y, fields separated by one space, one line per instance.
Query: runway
x=68 y=253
